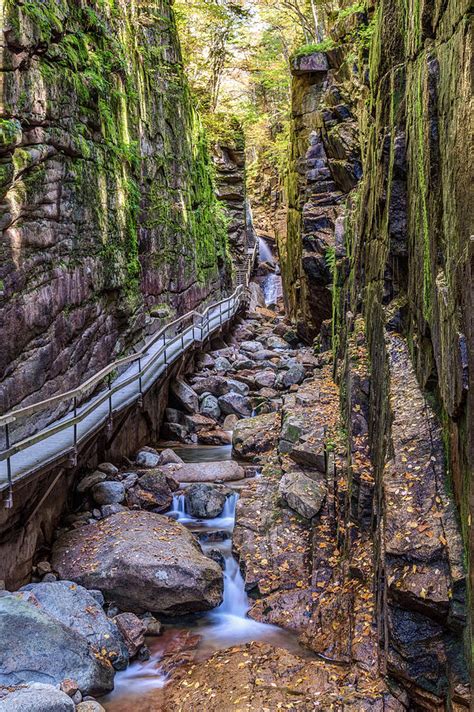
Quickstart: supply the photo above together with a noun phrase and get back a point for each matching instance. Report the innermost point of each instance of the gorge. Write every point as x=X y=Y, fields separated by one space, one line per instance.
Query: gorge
x=270 y=299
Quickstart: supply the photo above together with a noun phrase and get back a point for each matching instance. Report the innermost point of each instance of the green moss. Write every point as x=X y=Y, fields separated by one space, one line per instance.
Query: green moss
x=308 y=49
x=10 y=131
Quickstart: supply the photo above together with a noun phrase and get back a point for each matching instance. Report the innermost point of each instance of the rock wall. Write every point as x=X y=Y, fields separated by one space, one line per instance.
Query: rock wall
x=108 y=211
x=398 y=249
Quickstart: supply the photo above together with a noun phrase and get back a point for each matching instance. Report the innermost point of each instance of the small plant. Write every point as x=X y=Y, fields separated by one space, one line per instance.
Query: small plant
x=308 y=49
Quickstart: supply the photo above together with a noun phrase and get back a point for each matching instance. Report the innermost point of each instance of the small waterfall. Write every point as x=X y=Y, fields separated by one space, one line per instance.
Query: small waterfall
x=271 y=283
x=265 y=252
x=178 y=507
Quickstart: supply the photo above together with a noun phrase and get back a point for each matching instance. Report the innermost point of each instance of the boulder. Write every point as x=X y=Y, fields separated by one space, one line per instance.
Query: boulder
x=108 y=468
x=250 y=347
x=303 y=494
x=222 y=364
x=90 y=706
x=198 y=422
x=154 y=490
x=80 y=611
x=257 y=299
x=109 y=509
x=276 y=342
x=230 y=422
x=265 y=379
x=210 y=407
x=108 y=493
x=216 y=385
x=235 y=404
x=214 y=437
x=168 y=455
x=295 y=375
x=205 y=501
x=175 y=432
x=143 y=561
x=254 y=437
x=239 y=386
x=204 y=360
x=35 y=697
x=147 y=458
x=223 y=471
x=90 y=480
x=36 y=647
x=185 y=396
x=133 y=631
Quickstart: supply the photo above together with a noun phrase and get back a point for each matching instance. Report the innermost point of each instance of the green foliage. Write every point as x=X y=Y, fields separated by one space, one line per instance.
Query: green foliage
x=308 y=49
x=351 y=10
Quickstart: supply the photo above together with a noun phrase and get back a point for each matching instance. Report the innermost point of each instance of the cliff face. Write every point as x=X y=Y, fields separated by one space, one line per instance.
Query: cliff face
x=107 y=206
x=392 y=263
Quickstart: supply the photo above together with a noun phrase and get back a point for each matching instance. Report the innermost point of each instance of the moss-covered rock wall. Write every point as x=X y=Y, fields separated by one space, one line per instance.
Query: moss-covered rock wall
x=107 y=200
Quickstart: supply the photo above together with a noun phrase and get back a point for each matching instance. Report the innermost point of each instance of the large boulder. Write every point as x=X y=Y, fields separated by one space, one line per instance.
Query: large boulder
x=154 y=490
x=254 y=437
x=205 y=501
x=185 y=396
x=216 y=385
x=294 y=376
x=80 y=611
x=235 y=404
x=303 y=494
x=108 y=493
x=210 y=407
x=36 y=647
x=35 y=697
x=143 y=561
x=224 y=471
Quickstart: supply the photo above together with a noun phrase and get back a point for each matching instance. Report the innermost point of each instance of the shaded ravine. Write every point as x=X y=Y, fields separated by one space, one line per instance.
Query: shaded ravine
x=225 y=626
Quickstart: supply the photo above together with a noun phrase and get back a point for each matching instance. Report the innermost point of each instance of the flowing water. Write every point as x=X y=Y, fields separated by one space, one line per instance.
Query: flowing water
x=271 y=284
x=138 y=687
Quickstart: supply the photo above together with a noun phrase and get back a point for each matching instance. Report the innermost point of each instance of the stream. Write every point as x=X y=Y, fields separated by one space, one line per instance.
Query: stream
x=225 y=626
x=271 y=283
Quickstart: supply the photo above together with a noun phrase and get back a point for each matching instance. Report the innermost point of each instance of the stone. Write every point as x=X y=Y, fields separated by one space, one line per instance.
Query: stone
x=224 y=471
x=34 y=697
x=133 y=631
x=222 y=364
x=143 y=561
x=303 y=494
x=204 y=360
x=251 y=347
x=79 y=610
x=90 y=480
x=168 y=456
x=230 y=422
x=210 y=407
x=108 y=493
x=215 y=437
x=153 y=625
x=90 y=706
x=257 y=299
x=175 y=432
x=145 y=458
x=43 y=567
x=205 y=501
x=265 y=379
x=215 y=385
x=238 y=386
x=108 y=468
x=294 y=375
x=197 y=423
x=69 y=687
x=253 y=437
x=30 y=636
x=109 y=509
x=235 y=404
x=154 y=491
x=185 y=396
x=276 y=342
x=130 y=479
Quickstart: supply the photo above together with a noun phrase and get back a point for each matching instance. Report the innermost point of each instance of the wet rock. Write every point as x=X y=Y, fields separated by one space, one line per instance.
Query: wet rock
x=224 y=471
x=217 y=556
x=146 y=458
x=215 y=437
x=168 y=456
x=230 y=422
x=108 y=468
x=210 y=407
x=90 y=480
x=143 y=561
x=34 y=697
x=154 y=491
x=133 y=631
x=80 y=611
x=90 y=706
x=30 y=636
x=185 y=396
x=205 y=501
x=303 y=494
x=255 y=436
x=153 y=625
x=69 y=687
x=235 y=404
x=108 y=493
x=196 y=423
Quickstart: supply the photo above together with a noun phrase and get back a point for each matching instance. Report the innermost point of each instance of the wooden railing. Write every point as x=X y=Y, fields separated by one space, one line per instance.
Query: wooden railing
x=84 y=413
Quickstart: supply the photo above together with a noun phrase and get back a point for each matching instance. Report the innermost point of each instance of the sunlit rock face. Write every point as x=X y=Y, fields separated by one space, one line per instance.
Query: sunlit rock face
x=107 y=205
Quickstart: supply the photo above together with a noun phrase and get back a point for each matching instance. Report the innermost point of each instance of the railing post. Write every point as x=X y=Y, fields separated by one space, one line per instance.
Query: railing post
x=9 y=500
x=140 y=399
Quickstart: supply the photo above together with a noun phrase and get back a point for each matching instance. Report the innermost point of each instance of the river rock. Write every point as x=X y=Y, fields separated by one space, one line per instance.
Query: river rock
x=90 y=480
x=90 y=706
x=133 y=631
x=223 y=471
x=143 y=561
x=235 y=404
x=109 y=509
x=275 y=342
x=205 y=501
x=147 y=458
x=265 y=379
x=108 y=493
x=222 y=364
x=210 y=407
x=216 y=385
x=250 y=347
x=215 y=437
x=35 y=697
x=80 y=611
x=108 y=468
x=293 y=376
x=168 y=455
x=37 y=647
x=198 y=422
x=154 y=490
x=185 y=396
x=255 y=436
x=303 y=494
x=230 y=422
